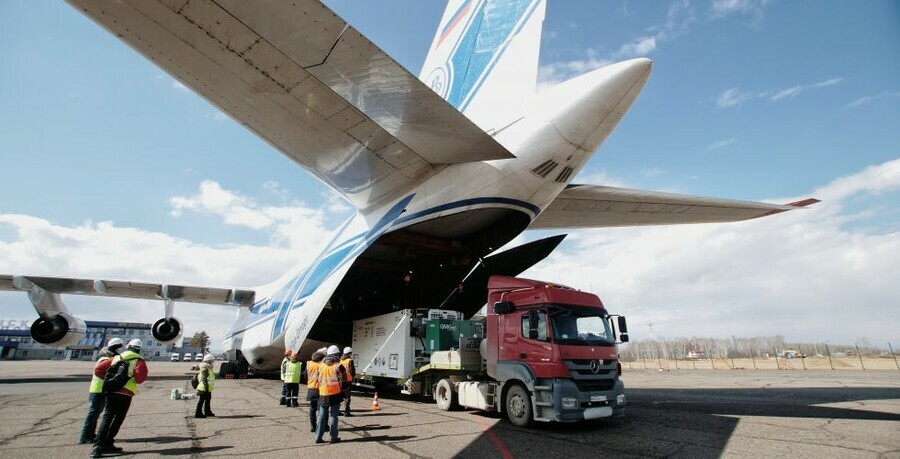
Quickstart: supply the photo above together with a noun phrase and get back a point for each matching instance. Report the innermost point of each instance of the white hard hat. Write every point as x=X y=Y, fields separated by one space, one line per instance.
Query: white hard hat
x=115 y=342
x=347 y=350
x=208 y=358
x=324 y=350
x=135 y=344
x=333 y=350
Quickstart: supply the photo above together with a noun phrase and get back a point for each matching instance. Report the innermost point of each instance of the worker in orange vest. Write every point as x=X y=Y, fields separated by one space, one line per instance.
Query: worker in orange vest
x=347 y=362
x=333 y=378
x=312 y=386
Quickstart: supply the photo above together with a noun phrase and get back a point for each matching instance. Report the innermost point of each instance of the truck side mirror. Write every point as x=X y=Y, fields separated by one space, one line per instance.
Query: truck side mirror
x=502 y=307
x=623 y=337
x=623 y=327
x=532 y=325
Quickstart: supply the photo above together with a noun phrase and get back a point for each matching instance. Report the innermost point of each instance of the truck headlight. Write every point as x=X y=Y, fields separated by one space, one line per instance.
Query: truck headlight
x=620 y=400
x=569 y=402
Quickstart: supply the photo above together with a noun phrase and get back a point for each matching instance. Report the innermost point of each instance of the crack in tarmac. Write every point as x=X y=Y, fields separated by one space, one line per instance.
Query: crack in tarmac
x=41 y=422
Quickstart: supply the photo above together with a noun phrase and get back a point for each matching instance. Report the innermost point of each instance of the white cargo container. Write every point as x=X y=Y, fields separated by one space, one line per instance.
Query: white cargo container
x=383 y=346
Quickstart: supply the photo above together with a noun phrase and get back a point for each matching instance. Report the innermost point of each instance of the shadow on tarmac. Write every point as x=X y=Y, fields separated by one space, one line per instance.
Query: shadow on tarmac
x=189 y=451
x=684 y=422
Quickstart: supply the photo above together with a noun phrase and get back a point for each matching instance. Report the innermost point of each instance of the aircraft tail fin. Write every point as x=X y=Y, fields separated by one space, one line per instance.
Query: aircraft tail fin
x=484 y=58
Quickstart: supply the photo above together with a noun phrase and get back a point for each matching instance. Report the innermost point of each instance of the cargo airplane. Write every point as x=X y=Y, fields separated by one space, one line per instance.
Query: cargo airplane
x=443 y=169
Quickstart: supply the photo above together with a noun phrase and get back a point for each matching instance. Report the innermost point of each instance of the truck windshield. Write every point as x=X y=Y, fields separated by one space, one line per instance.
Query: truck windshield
x=585 y=326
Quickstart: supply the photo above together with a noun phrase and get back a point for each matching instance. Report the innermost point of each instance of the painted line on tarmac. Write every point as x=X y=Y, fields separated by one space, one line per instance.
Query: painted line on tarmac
x=504 y=451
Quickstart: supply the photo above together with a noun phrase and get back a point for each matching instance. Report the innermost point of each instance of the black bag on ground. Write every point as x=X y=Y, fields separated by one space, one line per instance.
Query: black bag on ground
x=116 y=376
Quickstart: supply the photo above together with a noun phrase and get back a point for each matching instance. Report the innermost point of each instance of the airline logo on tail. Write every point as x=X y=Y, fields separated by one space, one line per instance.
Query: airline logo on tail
x=473 y=37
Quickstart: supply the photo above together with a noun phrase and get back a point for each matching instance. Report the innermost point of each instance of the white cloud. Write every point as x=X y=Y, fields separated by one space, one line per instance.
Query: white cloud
x=556 y=72
x=641 y=46
x=867 y=99
x=734 y=97
x=293 y=225
x=794 y=91
x=722 y=8
x=720 y=144
x=811 y=274
x=599 y=177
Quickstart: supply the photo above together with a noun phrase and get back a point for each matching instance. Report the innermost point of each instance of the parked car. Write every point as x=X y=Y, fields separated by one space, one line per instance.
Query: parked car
x=198 y=357
x=175 y=357
x=187 y=357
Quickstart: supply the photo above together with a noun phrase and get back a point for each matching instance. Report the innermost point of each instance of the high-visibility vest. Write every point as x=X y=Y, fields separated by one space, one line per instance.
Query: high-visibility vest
x=346 y=364
x=210 y=380
x=329 y=384
x=292 y=372
x=132 y=358
x=312 y=374
x=284 y=364
x=96 y=381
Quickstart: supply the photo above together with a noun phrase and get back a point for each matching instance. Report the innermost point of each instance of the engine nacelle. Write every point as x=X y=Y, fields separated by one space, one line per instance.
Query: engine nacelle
x=60 y=331
x=167 y=330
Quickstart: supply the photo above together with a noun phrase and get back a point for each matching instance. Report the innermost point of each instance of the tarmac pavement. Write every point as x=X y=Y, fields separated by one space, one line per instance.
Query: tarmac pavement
x=670 y=414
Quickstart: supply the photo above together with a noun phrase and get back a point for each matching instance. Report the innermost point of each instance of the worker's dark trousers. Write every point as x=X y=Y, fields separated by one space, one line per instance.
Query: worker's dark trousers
x=203 y=400
x=347 y=401
x=293 y=390
x=116 y=409
x=95 y=408
x=284 y=394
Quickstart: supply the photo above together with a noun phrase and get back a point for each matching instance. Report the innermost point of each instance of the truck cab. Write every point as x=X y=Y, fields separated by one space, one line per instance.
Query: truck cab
x=553 y=349
x=175 y=357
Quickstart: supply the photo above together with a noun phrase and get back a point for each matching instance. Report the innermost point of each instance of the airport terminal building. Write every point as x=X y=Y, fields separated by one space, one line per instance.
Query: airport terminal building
x=16 y=342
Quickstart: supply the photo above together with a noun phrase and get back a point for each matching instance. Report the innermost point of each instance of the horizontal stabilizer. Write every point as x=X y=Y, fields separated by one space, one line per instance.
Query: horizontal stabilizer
x=301 y=78
x=590 y=206
x=128 y=289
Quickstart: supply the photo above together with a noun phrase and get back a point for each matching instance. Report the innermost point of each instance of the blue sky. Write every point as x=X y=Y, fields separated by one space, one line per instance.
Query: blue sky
x=111 y=158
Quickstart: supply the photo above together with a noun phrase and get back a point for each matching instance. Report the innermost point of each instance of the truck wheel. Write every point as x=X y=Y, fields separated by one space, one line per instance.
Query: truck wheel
x=445 y=396
x=518 y=406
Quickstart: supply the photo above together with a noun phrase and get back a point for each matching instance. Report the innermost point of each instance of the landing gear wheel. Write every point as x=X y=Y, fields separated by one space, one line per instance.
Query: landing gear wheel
x=445 y=396
x=518 y=406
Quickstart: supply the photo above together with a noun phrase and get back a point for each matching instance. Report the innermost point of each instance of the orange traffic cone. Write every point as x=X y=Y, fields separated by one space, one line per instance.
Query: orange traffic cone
x=375 y=405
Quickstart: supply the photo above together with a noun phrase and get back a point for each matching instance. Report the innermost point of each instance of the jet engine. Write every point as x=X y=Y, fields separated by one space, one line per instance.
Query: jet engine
x=62 y=330
x=167 y=330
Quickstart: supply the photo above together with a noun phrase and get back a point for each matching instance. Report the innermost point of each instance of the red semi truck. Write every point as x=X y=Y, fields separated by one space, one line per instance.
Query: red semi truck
x=545 y=353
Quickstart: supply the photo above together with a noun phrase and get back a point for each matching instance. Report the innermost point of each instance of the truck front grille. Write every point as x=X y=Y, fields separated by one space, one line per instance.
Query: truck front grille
x=595 y=385
x=583 y=369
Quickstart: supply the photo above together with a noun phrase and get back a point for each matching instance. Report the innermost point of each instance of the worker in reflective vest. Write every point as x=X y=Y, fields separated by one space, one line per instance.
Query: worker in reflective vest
x=312 y=386
x=284 y=388
x=117 y=403
x=332 y=380
x=207 y=381
x=292 y=379
x=347 y=363
x=96 y=397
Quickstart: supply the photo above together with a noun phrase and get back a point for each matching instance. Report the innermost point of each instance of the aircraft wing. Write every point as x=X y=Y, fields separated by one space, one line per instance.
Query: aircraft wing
x=590 y=206
x=128 y=289
x=312 y=86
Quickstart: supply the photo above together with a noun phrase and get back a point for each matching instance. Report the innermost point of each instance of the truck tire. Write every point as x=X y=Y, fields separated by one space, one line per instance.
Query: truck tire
x=445 y=396
x=518 y=406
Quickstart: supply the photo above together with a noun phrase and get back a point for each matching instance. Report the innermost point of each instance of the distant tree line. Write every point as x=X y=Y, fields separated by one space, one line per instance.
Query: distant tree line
x=735 y=348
